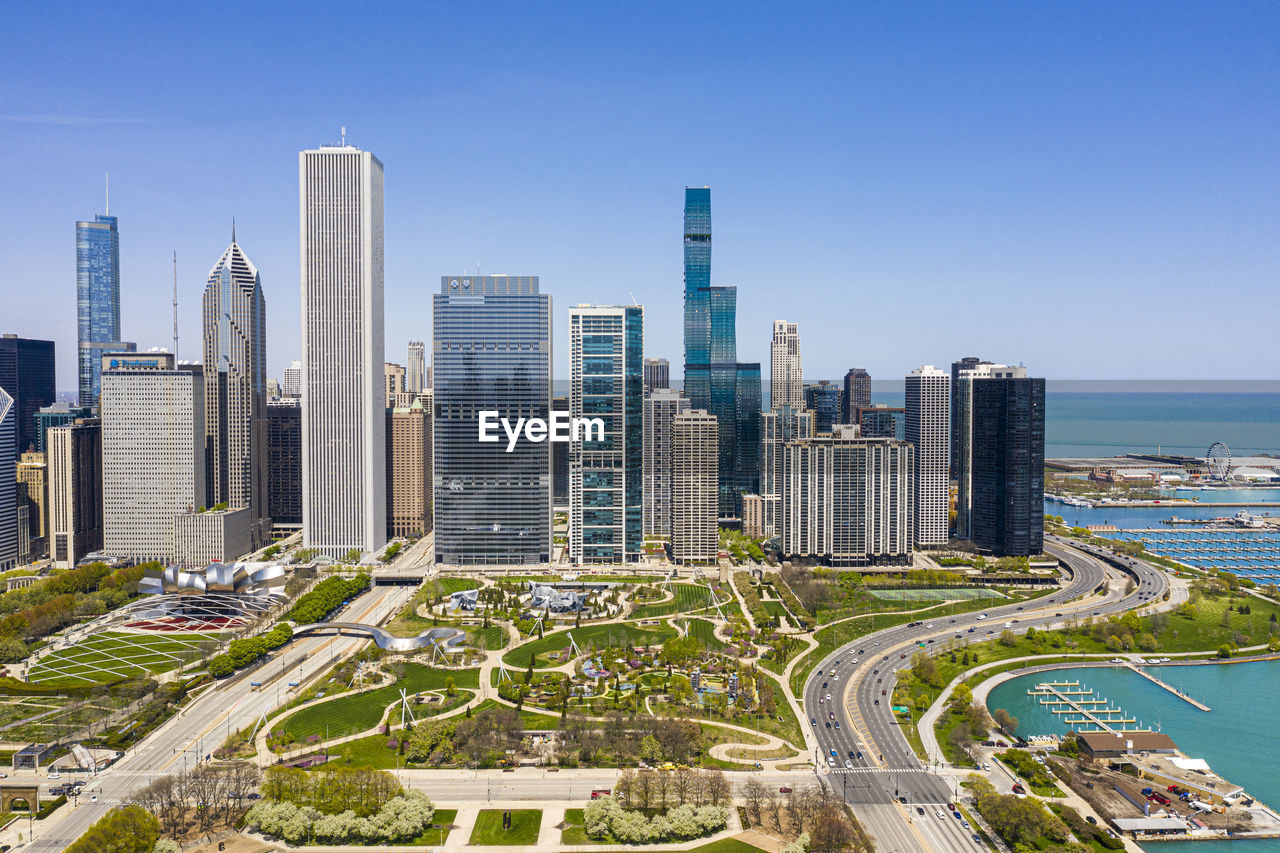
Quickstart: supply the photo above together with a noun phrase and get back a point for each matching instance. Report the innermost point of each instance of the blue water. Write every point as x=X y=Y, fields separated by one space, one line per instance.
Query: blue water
x=1140 y=518
x=1236 y=737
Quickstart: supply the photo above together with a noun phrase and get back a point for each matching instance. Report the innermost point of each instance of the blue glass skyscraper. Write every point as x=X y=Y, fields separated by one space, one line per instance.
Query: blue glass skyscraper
x=714 y=380
x=97 y=301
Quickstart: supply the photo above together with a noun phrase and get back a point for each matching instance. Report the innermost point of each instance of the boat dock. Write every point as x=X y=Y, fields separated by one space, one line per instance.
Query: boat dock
x=1076 y=705
x=1175 y=691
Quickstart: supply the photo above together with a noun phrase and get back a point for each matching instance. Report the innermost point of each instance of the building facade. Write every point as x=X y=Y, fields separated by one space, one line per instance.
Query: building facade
x=660 y=409
x=847 y=501
x=284 y=463
x=56 y=414
x=409 y=470
x=416 y=379
x=786 y=377
x=606 y=381
x=928 y=429
x=753 y=516
x=153 y=452
x=694 y=487
x=291 y=385
x=1008 y=465
x=657 y=374
x=560 y=461
x=396 y=393
x=213 y=536
x=962 y=406
x=344 y=419
x=777 y=427
x=97 y=301
x=33 y=492
x=969 y=362
x=882 y=421
x=491 y=351
x=9 y=534
x=26 y=372
x=75 y=491
x=857 y=394
x=235 y=390
x=823 y=399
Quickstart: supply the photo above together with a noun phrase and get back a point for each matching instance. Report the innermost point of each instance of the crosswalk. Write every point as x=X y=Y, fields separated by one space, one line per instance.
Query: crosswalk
x=882 y=770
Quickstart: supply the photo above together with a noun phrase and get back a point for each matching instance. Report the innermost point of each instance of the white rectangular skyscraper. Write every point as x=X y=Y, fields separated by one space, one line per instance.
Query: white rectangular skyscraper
x=786 y=378
x=343 y=399
x=928 y=427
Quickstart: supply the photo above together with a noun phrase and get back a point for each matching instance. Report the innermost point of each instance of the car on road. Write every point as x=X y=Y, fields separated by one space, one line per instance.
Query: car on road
x=820 y=700
x=824 y=684
x=1091 y=819
x=859 y=755
x=831 y=762
x=982 y=616
x=834 y=754
x=831 y=715
x=55 y=775
x=986 y=767
x=813 y=721
x=940 y=815
x=828 y=724
x=877 y=701
x=784 y=790
x=848 y=765
x=828 y=697
x=956 y=815
x=919 y=810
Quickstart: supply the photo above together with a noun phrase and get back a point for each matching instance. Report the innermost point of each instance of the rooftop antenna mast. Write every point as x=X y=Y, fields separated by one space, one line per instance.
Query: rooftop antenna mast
x=344 y=136
x=108 y=210
x=175 y=306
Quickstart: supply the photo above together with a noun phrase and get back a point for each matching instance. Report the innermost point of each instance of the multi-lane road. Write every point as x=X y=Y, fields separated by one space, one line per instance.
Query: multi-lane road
x=848 y=699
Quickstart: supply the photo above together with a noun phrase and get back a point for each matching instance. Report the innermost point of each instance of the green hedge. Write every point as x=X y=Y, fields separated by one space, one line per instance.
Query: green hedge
x=327 y=595
x=243 y=652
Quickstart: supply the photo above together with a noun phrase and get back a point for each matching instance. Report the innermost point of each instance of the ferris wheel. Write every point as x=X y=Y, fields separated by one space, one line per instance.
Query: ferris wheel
x=1218 y=461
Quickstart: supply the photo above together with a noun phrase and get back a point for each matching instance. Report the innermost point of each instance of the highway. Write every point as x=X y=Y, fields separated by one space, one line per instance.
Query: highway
x=202 y=726
x=888 y=777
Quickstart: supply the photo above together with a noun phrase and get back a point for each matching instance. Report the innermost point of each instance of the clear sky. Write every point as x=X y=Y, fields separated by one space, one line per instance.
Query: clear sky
x=1088 y=188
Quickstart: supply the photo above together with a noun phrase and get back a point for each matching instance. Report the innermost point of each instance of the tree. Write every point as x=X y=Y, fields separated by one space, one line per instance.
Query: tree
x=124 y=829
x=962 y=695
x=650 y=749
x=1006 y=721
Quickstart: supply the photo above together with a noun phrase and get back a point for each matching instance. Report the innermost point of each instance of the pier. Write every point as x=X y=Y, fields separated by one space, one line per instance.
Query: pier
x=1175 y=691
x=1072 y=698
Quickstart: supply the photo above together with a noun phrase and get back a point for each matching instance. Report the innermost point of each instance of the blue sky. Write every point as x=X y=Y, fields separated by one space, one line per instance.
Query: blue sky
x=1088 y=188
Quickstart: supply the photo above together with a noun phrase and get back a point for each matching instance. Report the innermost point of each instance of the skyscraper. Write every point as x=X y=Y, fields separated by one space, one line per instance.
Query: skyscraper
x=8 y=481
x=395 y=393
x=713 y=378
x=235 y=389
x=846 y=500
x=33 y=491
x=823 y=399
x=417 y=378
x=969 y=362
x=928 y=420
x=291 y=385
x=54 y=415
x=344 y=417
x=153 y=452
x=284 y=463
x=857 y=394
x=778 y=426
x=694 y=484
x=560 y=460
x=962 y=406
x=786 y=378
x=491 y=351
x=657 y=374
x=26 y=372
x=606 y=381
x=882 y=421
x=97 y=301
x=660 y=410
x=1008 y=465
x=409 y=470
x=75 y=491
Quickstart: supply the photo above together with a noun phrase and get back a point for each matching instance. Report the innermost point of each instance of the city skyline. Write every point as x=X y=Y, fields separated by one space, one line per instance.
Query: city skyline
x=1094 y=173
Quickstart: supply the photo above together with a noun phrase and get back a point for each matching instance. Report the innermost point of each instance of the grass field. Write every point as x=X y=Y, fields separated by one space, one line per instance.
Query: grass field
x=600 y=636
x=688 y=598
x=575 y=831
x=488 y=831
x=932 y=594
x=530 y=720
x=360 y=712
x=704 y=632
x=116 y=655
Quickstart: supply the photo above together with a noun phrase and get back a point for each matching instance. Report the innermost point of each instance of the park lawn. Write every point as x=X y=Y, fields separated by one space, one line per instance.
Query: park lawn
x=687 y=598
x=1038 y=777
x=599 y=636
x=1206 y=631
x=115 y=655
x=575 y=831
x=725 y=845
x=947 y=723
x=705 y=633
x=530 y=720
x=371 y=751
x=437 y=834
x=488 y=831
x=358 y=712
x=487 y=639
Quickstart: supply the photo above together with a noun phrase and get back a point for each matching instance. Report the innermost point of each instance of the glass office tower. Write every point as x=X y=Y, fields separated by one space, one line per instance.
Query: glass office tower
x=713 y=378
x=491 y=351
x=606 y=381
x=97 y=301
x=1008 y=465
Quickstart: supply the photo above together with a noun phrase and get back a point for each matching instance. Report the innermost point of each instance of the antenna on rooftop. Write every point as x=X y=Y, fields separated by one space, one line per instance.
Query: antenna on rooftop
x=175 y=302
x=344 y=136
x=108 y=210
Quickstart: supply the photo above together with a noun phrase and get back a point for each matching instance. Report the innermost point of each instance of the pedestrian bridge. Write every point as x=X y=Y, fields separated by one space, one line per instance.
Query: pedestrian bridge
x=446 y=639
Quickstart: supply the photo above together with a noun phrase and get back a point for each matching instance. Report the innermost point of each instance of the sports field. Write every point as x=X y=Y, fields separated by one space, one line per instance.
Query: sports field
x=933 y=594
x=116 y=655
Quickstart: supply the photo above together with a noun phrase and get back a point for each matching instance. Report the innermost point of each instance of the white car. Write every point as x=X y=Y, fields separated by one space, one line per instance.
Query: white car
x=831 y=762
x=55 y=776
x=828 y=697
x=848 y=765
x=982 y=616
